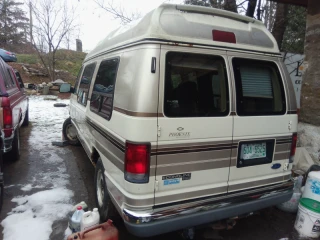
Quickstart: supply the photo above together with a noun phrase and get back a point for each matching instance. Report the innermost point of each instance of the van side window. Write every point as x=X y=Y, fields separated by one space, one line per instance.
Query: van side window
x=85 y=83
x=103 y=88
x=259 y=87
x=196 y=85
x=76 y=84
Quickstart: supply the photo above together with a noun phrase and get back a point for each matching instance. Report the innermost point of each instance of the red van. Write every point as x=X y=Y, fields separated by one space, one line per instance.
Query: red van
x=13 y=110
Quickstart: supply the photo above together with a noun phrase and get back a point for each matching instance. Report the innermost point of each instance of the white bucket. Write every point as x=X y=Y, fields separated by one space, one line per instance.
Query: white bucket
x=312 y=187
x=307 y=222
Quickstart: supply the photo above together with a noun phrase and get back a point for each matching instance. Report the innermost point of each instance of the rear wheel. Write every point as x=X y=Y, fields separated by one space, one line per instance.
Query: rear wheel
x=106 y=208
x=14 y=154
x=70 y=132
x=26 y=118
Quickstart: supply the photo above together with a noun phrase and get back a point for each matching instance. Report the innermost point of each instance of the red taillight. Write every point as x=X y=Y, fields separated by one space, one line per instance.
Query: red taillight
x=222 y=36
x=7 y=117
x=9 y=53
x=293 y=147
x=137 y=162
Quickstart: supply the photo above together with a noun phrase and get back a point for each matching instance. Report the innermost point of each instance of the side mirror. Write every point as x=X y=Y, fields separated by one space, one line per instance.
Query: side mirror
x=65 y=88
x=21 y=85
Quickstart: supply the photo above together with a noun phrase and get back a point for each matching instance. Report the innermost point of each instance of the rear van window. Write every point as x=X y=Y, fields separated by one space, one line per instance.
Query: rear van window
x=259 y=88
x=196 y=85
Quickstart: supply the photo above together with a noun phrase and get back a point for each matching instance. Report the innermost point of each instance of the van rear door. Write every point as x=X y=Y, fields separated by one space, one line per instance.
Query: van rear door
x=261 y=129
x=194 y=125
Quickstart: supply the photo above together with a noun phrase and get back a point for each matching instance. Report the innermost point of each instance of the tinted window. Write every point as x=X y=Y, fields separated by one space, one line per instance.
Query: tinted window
x=84 y=84
x=11 y=77
x=195 y=86
x=4 y=74
x=259 y=88
x=77 y=81
x=103 y=88
x=19 y=78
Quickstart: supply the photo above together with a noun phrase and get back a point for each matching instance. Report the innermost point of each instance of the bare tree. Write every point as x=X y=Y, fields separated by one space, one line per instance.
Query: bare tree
x=216 y=3
x=251 y=8
x=230 y=5
x=281 y=22
x=117 y=12
x=51 y=25
x=310 y=97
x=269 y=16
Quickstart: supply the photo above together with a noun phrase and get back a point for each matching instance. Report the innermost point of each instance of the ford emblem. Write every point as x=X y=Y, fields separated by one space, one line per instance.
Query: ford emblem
x=276 y=166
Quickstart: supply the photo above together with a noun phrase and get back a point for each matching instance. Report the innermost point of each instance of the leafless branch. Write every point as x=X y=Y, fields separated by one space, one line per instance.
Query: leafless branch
x=53 y=23
x=117 y=12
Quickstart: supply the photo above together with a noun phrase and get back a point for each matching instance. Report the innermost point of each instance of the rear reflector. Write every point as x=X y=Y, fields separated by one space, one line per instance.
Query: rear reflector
x=7 y=117
x=137 y=163
x=293 y=147
x=222 y=36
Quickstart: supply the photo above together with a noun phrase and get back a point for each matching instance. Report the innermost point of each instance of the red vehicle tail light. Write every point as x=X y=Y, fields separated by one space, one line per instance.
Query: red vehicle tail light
x=7 y=117
x=293 y=147
x=137 y=163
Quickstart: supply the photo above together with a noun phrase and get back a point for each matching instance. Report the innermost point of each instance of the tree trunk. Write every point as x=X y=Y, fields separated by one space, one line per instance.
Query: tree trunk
x=230 y=5
x=280 y=23
x=251 y=8
x=310 y=92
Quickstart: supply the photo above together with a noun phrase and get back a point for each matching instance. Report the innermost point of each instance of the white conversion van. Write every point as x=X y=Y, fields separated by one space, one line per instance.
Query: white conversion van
x=189 y=116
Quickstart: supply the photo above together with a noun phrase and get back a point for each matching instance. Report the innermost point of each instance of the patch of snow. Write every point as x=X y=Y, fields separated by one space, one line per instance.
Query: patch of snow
x=34 y=214
x=309 y=138
x=27 y=187
x=10 y=186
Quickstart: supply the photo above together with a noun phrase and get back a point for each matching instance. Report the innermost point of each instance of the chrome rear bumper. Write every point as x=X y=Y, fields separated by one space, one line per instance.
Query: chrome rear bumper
x=175 y=217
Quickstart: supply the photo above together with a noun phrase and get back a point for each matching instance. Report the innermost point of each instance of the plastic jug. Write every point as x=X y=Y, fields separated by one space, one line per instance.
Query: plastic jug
x=105 y=231
x=75 y=222
x=82 y=204
x=90 y=219
x=74 y=208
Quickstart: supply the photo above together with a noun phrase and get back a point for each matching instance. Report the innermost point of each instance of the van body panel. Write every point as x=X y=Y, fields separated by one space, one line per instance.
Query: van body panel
x=193 y=157
x=292 y=109
x=136 y=85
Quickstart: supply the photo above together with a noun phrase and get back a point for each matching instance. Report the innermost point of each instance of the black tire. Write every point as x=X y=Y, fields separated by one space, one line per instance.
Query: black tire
x=105 y=206
x=26 y=119
x=60 y=105
x=70 y=133
x=14 y=153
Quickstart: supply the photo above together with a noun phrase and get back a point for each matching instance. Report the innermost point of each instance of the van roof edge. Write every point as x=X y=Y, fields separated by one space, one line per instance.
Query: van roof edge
x=163 y=41
x=216 y=12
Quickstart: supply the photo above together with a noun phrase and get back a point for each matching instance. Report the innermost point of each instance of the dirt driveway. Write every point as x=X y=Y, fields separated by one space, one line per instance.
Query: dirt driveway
x=42 y=186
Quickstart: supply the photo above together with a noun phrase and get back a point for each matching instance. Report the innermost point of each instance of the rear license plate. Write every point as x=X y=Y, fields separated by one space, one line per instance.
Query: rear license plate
x=253 y=150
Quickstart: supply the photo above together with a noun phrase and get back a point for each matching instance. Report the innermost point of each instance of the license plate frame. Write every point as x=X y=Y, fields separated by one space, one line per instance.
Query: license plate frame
x=258 y=160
